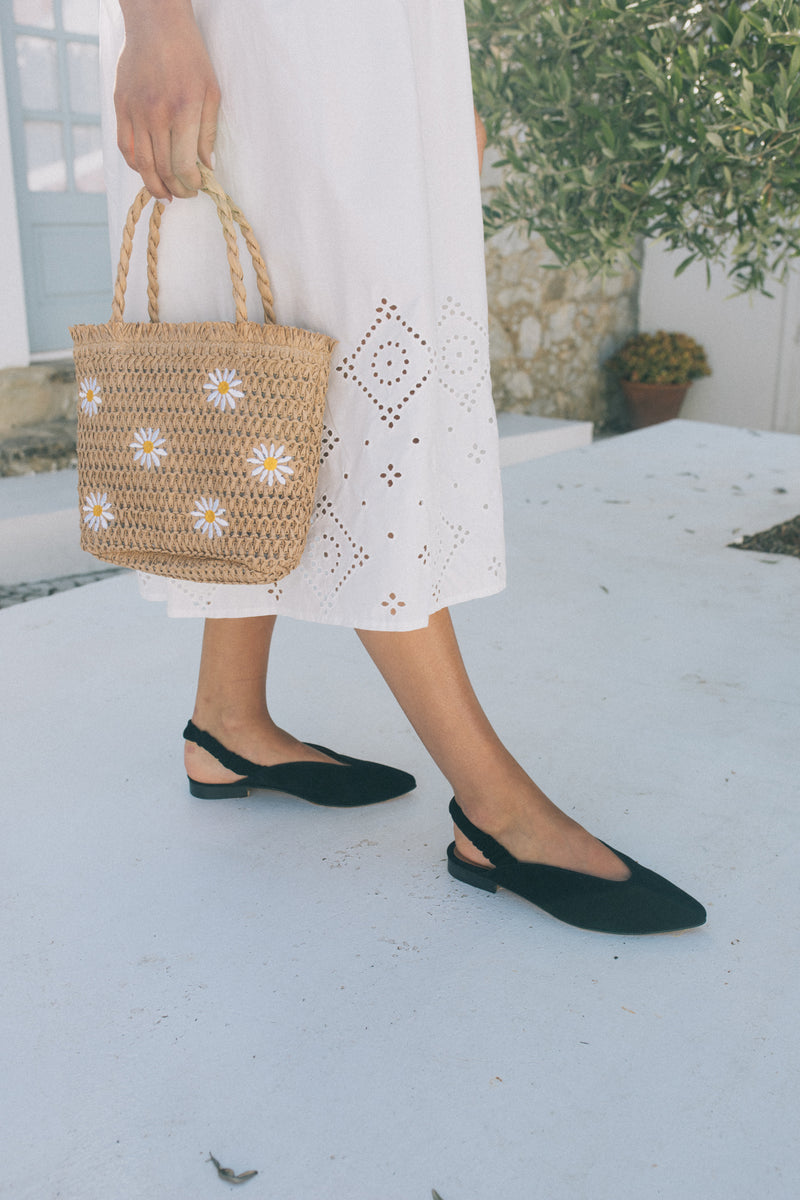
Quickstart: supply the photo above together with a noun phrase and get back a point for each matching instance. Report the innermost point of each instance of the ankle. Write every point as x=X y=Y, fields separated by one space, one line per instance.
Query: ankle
x=222 y=722
x=502 y=805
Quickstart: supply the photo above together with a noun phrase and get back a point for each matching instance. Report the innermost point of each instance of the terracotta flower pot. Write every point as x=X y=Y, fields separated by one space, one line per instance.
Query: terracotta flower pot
x=652 y=403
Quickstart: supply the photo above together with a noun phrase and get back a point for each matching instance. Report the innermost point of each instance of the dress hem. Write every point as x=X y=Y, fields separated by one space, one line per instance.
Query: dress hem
x=399 y=626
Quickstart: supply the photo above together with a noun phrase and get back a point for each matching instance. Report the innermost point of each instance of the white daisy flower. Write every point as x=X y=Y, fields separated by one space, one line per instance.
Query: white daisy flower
x=148 y=446
x=209 y=516
x=271 y=464
x=98 y=511
x=222 y=389
x=89 y=396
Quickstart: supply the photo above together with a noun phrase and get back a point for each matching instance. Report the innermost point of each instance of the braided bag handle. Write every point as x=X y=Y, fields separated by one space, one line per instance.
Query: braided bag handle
x=230 y=216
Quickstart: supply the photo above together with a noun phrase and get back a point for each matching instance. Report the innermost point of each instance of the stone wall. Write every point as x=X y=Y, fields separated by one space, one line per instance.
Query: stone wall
x=31 y=395
x=38 y=422
x=551 y=329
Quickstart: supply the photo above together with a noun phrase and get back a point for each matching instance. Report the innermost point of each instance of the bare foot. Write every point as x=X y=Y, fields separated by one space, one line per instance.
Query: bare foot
x=265 y=745
x=534 y=830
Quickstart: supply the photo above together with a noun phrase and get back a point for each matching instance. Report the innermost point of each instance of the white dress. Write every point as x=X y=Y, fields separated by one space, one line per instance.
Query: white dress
x=346 y=135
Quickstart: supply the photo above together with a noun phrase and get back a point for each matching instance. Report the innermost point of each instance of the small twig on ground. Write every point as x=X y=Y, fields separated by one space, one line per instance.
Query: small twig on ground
x=227 y=1174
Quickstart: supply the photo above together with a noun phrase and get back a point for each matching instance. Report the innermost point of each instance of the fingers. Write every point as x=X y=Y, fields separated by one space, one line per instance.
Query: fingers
x=208 y=126
x=178 y=168
x=166 y=98
x=190 y=141
x=166 y=155
x=125 y=139
x=163 y=143
x=136 y=146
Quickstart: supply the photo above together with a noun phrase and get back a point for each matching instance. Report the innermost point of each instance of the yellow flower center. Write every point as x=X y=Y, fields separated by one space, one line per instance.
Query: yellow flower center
x=210 y=516
x=97 y=511
x=89 y=395
x=223 y=387
x=147 y=447
x=270 y=464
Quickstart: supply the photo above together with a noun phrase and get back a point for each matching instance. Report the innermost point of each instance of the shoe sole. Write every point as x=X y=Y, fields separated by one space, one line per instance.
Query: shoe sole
x=241 y=789
x=475 y=877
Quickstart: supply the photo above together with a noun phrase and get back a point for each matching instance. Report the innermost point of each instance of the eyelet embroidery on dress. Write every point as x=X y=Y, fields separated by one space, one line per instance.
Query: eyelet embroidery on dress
x=331 y=556
x=476 y=455
x=389 y=475
x=329 y=443
x=390 y=364
x=200 y=595
x=366 y=469
x=449 y=540
x=463 y=354
x=393 y=604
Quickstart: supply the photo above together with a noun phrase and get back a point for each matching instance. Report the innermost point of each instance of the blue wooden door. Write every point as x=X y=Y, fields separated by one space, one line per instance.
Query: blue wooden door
x=50 y=50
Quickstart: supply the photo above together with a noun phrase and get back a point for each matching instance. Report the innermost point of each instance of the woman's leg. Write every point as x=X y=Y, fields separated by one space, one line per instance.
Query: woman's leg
x=231 y=701
x=426 y=673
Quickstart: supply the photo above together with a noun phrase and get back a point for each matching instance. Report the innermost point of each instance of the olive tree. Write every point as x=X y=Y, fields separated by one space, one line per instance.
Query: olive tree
x=621 y=119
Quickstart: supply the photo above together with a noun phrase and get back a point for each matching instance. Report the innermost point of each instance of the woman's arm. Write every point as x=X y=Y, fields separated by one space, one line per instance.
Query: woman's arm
x=166 y=96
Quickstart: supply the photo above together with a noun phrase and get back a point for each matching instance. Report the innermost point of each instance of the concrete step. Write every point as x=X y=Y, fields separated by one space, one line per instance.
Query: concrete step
x=39 y=527
x=524 y=436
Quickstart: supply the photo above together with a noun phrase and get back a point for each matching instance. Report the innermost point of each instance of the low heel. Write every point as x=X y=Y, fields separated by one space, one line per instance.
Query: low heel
x=218 y=791
x=465 y=873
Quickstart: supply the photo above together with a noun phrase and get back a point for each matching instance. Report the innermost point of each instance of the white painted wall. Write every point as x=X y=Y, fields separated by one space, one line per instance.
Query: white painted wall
x=752 y=342
x=14 y=346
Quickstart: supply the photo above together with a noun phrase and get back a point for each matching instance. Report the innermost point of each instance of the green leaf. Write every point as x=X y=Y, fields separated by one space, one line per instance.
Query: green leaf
x=740 y=34
x=626 y=121
x=649 y=67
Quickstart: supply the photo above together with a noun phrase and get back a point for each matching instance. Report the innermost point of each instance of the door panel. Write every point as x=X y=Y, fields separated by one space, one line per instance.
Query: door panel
x=50 y=52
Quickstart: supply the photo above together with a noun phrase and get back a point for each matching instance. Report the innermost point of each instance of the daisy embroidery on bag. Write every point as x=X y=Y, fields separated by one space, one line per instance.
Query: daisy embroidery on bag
x=223 y=389
x=98 y=511
x=209 y=517
x=271 y=465
x=90 y=397
x=148 y=446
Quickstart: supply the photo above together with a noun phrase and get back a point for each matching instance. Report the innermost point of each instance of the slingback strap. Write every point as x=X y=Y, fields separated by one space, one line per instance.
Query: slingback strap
x=497 y=855
x=234 y=762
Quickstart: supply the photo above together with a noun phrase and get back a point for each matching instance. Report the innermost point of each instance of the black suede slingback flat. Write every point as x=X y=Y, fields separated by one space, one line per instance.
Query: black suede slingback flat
x=345 y=783
x=643 y=903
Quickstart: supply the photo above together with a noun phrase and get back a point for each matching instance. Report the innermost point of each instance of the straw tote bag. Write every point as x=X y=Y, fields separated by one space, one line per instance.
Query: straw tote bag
x=199 y=444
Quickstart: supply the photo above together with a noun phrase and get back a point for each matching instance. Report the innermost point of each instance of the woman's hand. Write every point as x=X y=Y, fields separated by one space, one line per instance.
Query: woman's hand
x=166 y=96
x=480 y=135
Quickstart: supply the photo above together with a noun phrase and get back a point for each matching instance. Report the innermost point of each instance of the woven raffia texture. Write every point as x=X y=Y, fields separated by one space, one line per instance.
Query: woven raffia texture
x=199 y=444
x=225 y=495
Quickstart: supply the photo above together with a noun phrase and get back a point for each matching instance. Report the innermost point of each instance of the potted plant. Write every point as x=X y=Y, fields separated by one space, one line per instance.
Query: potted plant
x=655 y=371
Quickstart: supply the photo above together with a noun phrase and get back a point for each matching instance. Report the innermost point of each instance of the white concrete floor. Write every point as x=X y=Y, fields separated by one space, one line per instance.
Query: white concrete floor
x=307 y=993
